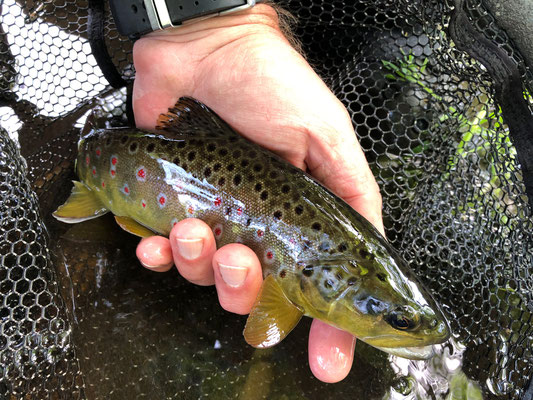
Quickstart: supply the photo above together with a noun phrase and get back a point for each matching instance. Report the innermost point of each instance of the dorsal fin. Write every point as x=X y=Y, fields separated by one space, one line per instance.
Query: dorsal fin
x=190 y=117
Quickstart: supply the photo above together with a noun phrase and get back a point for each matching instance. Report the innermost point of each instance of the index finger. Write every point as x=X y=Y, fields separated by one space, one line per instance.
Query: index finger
x=337 y=160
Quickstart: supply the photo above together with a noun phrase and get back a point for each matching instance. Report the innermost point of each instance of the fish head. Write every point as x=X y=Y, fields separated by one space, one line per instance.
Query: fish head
x=376 y=297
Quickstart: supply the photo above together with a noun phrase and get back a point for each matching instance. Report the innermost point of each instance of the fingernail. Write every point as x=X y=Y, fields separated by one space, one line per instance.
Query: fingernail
x=233 y=276
x=190 y=249
x=155 y=266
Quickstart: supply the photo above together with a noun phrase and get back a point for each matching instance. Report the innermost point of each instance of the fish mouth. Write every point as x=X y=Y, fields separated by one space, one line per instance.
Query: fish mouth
x=411 y=353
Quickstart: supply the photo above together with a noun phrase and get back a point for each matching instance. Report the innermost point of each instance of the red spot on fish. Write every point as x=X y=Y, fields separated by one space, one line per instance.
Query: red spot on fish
x=141 y=173
x=103 y=184
x=87 y=160
x=218 y=201
x=94 y=171
x=113 y=172
x=98 y=152
x=143 y=203
x=126 y=189
x=162 y=200
x=239 y=211
x=218 y=231
x=260 y=233
x=114 y=160
x=190 y=210
x=270 y=255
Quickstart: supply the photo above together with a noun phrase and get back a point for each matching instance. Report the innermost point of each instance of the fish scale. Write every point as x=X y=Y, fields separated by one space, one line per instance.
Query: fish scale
x=319 y=257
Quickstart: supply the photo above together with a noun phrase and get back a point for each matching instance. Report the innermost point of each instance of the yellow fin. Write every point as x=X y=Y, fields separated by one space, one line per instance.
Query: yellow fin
x=272 y=317
x=133 y=227
x=83 y=204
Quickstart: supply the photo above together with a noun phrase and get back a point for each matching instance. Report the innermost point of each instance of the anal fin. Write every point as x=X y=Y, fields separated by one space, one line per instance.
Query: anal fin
x=272 y=317
x=83 y=204
x=133 y=227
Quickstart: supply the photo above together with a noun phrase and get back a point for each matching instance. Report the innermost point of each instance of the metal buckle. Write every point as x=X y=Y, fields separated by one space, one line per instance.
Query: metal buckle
x=159 y=16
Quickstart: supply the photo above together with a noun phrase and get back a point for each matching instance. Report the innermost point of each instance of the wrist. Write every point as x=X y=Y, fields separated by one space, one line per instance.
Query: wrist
x=260 y=16
x=141 y=17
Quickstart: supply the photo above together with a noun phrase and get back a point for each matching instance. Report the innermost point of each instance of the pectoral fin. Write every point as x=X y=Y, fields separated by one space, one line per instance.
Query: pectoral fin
x=133 y=227
x=272 y=317
x=83 y=204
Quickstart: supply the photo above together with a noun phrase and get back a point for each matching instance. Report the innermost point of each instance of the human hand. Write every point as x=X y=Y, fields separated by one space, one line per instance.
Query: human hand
x=243 y=68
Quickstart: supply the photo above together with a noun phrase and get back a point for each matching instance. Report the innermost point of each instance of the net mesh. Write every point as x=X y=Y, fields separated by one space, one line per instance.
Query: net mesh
x=79 y=317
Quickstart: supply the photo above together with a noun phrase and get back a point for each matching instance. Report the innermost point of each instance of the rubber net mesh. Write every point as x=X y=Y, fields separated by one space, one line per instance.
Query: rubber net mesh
x=79 y=318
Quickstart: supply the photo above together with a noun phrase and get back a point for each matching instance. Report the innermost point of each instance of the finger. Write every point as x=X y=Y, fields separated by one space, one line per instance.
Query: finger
x=330 y=352
x=238 y=277
x=337 y=160
x=155 y=254
x=193 y=246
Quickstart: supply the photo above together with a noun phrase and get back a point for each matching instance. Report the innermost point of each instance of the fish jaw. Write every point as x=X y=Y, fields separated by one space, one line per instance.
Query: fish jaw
x=411 y=353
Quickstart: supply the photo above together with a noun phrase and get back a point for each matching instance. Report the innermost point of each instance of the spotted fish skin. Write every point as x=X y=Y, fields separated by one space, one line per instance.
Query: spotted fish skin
x=327 y=259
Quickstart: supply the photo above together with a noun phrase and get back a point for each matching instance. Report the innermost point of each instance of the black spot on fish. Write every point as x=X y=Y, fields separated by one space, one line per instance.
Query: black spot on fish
x=133 y=147
x=184 y=166
x=324 y=246
x=211 y=147
x=328 y=283
x=381 y=277
x=351 y=281
x=285 y=189
x=248 y=221
x=258 y=187
x=237 y=179
x=223 y=152
x=191 y=156
x=222 y=181
x=230 y=167
x=278 y=214
x=338 y=275
x=316 y=226
x=150 y=147
x=176 y=160
x=365 y=254
x=181 y=144
x=258 y=167
x=207 y=172
x=264 y=195
x=217 y=167
x=210 y=158
x=245 y=163
x=124 y=139
x=326 y=269
x=286 y=205
x=282 y=273
x=308 y=270
x=228 y=211
x=252 y=154
x=299 y=210
x=273 y=174
x=342 y=247
x=237 y=154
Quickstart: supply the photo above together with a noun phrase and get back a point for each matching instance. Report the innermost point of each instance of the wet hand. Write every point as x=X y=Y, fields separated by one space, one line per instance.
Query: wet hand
x=244 y=68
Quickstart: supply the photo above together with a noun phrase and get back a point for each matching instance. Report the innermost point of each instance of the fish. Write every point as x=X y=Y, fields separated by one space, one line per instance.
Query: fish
x=320 y=258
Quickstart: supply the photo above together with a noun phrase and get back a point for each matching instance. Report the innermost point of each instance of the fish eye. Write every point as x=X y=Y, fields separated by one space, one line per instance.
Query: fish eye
x=402 y=319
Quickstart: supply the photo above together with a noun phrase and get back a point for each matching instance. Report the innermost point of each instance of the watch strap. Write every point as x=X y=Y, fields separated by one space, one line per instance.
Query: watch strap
x=139 y=17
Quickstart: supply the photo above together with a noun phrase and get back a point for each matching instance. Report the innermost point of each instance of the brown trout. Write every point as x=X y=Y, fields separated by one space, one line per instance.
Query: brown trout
x=320 y=258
